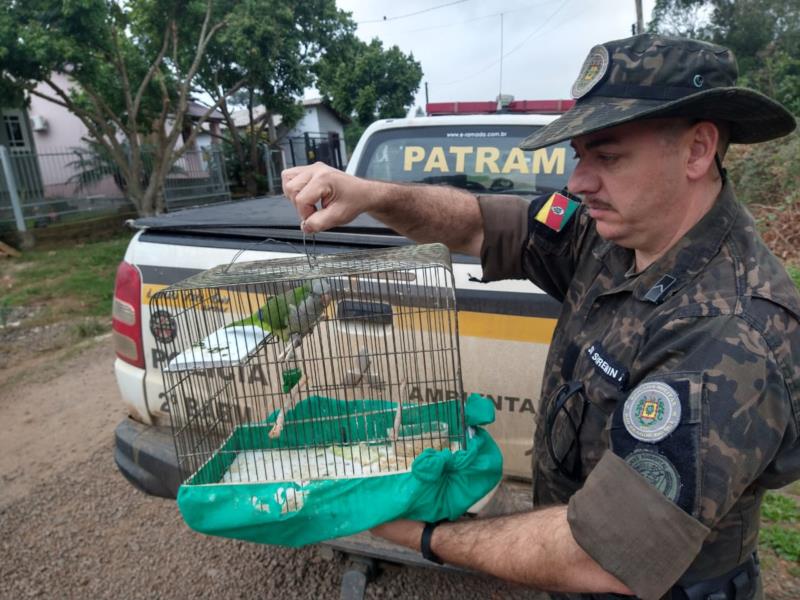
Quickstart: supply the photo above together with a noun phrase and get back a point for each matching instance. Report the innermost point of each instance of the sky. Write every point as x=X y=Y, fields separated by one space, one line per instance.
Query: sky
x=458 y=42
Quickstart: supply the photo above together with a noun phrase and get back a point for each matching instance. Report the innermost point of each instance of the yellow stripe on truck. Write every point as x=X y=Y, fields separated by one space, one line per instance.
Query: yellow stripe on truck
x=472 y=324
x=148 y=289
x=506 y=327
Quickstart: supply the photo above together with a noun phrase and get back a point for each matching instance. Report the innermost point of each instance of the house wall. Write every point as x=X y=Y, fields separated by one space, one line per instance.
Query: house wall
x=317 y=119
x=64 y=130
x=203 y=141
x=309 y=122
x=54 y=147
x=329 y=122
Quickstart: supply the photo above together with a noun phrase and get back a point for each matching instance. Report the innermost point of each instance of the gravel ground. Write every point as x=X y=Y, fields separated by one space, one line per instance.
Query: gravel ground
x=85 y=533
x=72 y=527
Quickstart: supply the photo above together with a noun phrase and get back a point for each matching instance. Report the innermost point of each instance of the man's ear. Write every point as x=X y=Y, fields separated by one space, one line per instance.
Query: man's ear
x=702 y=139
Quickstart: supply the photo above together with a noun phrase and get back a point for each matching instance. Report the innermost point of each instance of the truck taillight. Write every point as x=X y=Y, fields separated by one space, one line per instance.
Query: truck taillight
x=126 y=315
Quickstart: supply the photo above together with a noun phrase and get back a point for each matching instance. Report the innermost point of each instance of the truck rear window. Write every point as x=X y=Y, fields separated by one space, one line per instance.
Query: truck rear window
x=478 y=158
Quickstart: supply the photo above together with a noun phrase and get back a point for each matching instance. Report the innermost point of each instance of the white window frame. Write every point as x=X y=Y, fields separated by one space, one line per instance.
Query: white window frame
x=21 y=117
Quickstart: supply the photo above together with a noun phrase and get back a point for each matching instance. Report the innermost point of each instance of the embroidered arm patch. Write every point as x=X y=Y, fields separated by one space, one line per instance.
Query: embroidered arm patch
x=556 y=212
x=657 y=432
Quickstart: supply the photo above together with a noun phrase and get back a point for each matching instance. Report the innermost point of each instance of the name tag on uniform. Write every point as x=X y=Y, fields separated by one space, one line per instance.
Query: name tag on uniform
x=606 y=366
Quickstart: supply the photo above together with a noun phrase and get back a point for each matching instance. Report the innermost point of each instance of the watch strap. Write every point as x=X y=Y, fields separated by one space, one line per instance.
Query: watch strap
x=425 y=543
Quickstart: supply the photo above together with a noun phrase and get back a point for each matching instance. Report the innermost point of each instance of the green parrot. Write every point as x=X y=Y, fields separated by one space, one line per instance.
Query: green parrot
x=274 y=315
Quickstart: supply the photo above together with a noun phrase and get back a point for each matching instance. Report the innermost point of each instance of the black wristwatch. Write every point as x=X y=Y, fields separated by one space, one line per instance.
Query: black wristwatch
x=425 y=543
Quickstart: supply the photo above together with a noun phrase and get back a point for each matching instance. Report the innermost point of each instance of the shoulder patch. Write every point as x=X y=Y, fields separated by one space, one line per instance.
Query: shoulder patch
x=657 y=470
x=556 y=212
x=652 y=411
x=658 y=431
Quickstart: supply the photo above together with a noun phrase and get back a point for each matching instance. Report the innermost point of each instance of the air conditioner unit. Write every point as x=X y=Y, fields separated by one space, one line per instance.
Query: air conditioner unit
x=38 y=123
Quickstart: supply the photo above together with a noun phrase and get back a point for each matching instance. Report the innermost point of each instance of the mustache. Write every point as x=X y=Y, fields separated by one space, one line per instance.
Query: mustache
x=596 y=203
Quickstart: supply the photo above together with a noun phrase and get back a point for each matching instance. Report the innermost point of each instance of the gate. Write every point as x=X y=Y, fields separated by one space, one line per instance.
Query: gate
x=312 y=147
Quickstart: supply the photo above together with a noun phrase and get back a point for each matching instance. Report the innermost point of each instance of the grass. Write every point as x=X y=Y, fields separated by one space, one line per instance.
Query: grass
x=779 y=513
x=73 y=282
x=794 y=273
x=785 y=542
x=777 y=507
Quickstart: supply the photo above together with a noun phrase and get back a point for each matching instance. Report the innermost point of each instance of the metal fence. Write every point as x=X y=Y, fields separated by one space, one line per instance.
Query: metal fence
x=312 y=147
x=39 y=190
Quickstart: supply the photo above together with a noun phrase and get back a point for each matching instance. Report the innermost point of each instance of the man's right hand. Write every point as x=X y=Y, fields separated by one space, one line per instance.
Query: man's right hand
x=326 y=197
x=341 y=197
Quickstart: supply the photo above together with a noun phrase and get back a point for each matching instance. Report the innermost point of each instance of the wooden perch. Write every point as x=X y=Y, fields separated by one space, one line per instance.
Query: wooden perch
x=294 y=398
x=398 y=416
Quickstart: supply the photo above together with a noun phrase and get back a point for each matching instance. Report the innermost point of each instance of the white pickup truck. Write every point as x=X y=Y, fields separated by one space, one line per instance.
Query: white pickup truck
x=505 y=327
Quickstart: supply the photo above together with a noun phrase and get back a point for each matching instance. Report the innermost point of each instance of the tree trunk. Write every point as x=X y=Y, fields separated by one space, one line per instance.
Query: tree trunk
x=161 y=201
x=251 y=181
x=148 y=207
x=139 y=202
x=239 y=150
x=253 y=159
x=135 y=193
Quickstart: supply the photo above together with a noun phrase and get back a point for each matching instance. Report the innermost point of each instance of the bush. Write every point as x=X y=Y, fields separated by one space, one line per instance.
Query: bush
x=767 y=173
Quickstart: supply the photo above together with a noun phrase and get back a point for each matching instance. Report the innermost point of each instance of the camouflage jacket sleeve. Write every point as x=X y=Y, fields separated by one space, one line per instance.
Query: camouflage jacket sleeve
x=516 y=246
x=661 y=492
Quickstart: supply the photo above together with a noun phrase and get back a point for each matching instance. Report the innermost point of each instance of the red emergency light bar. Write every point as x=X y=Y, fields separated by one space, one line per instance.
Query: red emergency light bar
x=490 y=107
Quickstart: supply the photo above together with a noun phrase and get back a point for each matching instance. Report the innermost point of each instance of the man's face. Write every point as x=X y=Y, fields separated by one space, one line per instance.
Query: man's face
x=632 y=179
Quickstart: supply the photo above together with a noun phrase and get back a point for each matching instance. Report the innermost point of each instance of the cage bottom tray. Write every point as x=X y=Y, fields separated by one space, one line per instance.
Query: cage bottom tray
x=331 y=462
x=326 y=438
x=323 y=477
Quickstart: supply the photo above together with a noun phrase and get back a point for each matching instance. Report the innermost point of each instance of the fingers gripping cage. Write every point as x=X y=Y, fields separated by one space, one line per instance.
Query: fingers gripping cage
x=284 y=370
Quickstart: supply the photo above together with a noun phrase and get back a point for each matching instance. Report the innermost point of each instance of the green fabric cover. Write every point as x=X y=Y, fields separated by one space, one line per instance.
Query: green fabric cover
x=440 y=485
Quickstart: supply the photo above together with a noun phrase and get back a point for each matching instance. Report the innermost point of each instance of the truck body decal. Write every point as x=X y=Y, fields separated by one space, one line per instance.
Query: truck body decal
x=487 y=159
x=501 y=403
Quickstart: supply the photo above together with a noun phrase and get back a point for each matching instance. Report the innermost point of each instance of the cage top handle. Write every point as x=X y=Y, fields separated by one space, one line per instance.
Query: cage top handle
x=252 y=245
x=310 y=256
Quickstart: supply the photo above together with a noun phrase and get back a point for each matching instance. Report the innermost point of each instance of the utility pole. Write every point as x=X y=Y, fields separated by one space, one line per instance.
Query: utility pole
x=426 y=96
x=639 y=17
x=500 y=91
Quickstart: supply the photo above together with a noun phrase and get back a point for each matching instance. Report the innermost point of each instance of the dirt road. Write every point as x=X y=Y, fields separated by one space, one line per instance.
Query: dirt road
x=72 y=527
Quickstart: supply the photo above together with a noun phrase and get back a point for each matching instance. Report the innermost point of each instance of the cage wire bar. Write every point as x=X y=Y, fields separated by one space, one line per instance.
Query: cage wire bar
x=371 y=380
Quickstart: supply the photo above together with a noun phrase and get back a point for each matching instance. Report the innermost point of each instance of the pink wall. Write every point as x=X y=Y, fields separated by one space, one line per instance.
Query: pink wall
x=64 y=130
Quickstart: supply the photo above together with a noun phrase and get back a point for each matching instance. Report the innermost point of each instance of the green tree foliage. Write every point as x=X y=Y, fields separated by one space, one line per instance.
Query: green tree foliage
x=130 y=73
x=764 y=35
x=268 y=49
x=134 y=66
x=368 y=82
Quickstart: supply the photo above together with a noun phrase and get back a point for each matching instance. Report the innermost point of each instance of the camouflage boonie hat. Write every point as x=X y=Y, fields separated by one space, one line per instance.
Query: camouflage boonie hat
x=649 y=76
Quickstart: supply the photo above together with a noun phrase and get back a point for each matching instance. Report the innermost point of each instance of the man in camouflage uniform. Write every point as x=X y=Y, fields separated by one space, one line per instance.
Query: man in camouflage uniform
x=671 y=398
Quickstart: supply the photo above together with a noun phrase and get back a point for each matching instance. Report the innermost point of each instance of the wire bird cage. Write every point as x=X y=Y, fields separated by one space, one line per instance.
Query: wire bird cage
x=342 y=366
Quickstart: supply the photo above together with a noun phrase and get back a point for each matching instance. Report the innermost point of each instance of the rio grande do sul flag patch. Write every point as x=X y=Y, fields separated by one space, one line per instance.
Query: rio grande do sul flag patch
x=557 y=211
